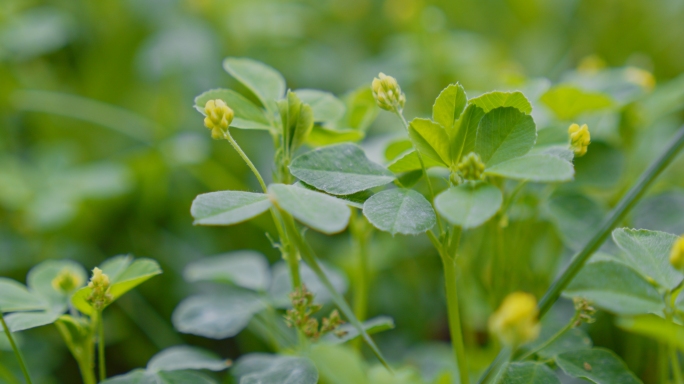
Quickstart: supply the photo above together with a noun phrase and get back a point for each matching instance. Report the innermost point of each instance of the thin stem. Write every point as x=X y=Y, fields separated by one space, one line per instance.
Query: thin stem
x=674 y=362
x=249 y=163
x=360 y=236
x=553 y=338
x=101 y=347
x=16 y=350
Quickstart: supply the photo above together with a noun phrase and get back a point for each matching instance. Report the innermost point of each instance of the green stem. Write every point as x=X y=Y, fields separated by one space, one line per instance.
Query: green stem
x=6 y=375
x=16 y=350
x=249 y=163
x=101 y=346
x=360 y=236
x=674 y=362
x=553 y=338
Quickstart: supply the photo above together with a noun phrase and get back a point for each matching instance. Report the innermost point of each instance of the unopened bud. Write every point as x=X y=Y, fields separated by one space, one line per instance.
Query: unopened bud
x=387 y=93
x=100 y=296
x=677 y=254
x=67 y=281
x=471 y=167
x=516 y=321
x=219 y=117
x=579 y=139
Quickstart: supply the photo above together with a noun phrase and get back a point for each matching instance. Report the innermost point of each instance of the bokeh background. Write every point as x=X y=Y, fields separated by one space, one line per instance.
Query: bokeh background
x=101 y=152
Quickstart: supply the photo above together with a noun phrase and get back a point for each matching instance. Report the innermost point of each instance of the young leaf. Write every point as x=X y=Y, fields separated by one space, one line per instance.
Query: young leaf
x=247 y=269
x=297 y=120
x=616 y=288
x=317 y=210
x=657 y=328
x=228 y=207
x=469 y=206
x=449 y=105
x=216 y=316
x=397 y=147
x=462 y=138
x=341 y=169
x=504 y=134
x=185 y=357
x=529 y=373
x=648 y=252
x=139 y=376
x=247 y=115
x=326 y=107
x=261 y=368
x=400 y=211
x=281 y=285
x=431 y=140
x=598 y=365
x=265 y=82
x=410 y=162
x=568 y=102
x=537 y=168
x=321 y=136
x=492 y=100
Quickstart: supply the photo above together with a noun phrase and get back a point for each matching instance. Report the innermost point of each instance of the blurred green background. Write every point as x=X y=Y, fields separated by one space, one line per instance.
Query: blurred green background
x=101 y=152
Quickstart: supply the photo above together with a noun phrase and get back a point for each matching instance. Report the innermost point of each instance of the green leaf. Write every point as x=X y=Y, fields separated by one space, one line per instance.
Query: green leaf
x=41 y=276
x=410 y=162
x=597 y=365
x=247 y=269
x=616 y=288
x=568 y=102
x=261 y=368
x=185 y=357
x=247 y=115
x=266 y=83
x=504 y=134
x=338 y=364
x=297 y=120
x=492 y=100
x=372 y=326
x=217 y=316
x=396 y=148
x=529 y=373
x=140 y=376
x=281 y=286
x=19 y=321
x=228 y=207
x=322 y=136
x=317 y=210
x=431 y=140
x=648 y=252
x=400 y=211
x=462 y=139
x=468 y=205
x=341 y=169
x=571 y=340
x=657 y=328
x=122 y=280
x=537 y=168
x=355 y=200
x=361 y=109
x=561 y=151
x=661 y=212
x=326 y=107
x=576 y=218
x=15 y=297
x=449 y=105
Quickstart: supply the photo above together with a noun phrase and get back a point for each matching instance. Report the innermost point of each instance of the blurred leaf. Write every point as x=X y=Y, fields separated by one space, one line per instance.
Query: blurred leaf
x=217 y=316
x=372 y=326
x=536 y=168
x=492 y=100
x=317 y=210
x=431 y=140
x=341 y=169
x=185 y=357
x=654 y=327
x=403 y=375
x=247 y=269
x=261 y=368
x=560 y=151
x=449 y=105
x=571 y=340
x=661 y=212
x=576 y=218
x=648 y=252
x=140 y=376
x=322 y=136
x=19 y=321
x=469 y=206
x=361 y=109
x=463 y=139
x=616 y=288
x=15 y=297
x=326 y=107
x=35 y=32
x=247 y=115
x=529 y=373
x=504 y=134
x=281 y=284
x=400 y=211
x=228 y=207
x=41 y=276
x=266 y=83
x=338 y=364
x=396 y=148
x=597 y=365
x=601 y=167
x=410 y=162
x=568 y=102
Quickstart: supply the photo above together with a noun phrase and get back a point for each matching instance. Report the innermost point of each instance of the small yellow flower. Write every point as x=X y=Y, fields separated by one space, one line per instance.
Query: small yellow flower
x=579 y=139
x=640 y=77
x=677 y=254
x=219 y=117
x=67 y=281
x=387 y=93
x=516 y=321
x=471 y=167
x=100 y=296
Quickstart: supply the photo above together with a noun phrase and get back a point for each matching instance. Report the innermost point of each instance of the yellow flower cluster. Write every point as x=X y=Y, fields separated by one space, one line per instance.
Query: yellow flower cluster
x=516 y=321
x=219 y=117
x=387 y=93
x=579 y=139
x=677 y=254
x=100 y=296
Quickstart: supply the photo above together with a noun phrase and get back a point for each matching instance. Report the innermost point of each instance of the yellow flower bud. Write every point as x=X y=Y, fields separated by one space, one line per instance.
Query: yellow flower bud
x=579 y=139
x=640 y=77
x=219 y=117
x=100 y=296
x=67 y=281
x=516 y=321
x=387 y=93
x=471 y=167
x=677 y=254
